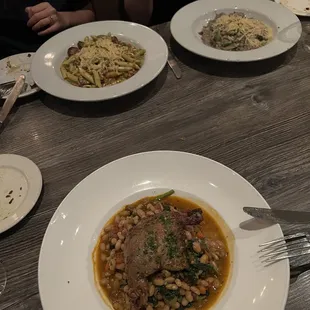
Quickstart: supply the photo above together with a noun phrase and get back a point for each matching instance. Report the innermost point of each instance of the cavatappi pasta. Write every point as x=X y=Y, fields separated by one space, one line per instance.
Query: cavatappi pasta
x=101 y=60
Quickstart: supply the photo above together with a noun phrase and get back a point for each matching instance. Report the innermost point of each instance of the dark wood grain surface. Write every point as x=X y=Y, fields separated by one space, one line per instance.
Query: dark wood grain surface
x=254 y=118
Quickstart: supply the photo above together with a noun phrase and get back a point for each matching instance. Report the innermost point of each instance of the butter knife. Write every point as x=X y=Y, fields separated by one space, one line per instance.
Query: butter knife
x=174 y=65
x=10 y=100
x=279 y=216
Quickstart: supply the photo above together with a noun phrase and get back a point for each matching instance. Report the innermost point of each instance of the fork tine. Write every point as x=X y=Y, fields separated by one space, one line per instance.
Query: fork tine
x=281 y=245
x=6 y=83
x=278 y=258
x=285 y=250
x=287 y=237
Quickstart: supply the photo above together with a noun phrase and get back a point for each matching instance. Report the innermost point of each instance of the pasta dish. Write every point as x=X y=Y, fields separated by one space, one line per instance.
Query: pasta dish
x=236 y=32
x=101 y=60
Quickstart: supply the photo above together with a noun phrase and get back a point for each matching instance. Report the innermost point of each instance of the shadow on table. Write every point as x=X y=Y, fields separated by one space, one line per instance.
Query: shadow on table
x=25 y=220
x=109 y=107
x=230 y=69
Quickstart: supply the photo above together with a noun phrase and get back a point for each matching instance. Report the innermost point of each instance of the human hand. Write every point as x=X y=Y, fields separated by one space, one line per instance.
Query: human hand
x=43 y=15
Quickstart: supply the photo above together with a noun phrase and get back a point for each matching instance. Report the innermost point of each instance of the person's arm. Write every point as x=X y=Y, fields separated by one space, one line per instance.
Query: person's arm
x=43 y=15
x=78 y=17
x=139 y=11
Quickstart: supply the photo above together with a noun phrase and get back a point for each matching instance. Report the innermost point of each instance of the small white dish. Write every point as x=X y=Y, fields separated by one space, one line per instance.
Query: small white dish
x=298 y=7
x=188 y=22
x=20 y=188
x=66 y=279
x=13 y=66
x=46 y=63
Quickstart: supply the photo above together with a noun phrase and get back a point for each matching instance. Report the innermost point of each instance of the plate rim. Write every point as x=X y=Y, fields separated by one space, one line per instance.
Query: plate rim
x=230 y=58
x=292 y=10
x=72 y=97
x=287 y=269
x=9 y=222
x=34 y=90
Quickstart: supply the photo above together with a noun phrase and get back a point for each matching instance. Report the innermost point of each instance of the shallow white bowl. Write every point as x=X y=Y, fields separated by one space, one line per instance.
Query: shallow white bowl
x=188 y=22
x=66 y=279
x=48 y=58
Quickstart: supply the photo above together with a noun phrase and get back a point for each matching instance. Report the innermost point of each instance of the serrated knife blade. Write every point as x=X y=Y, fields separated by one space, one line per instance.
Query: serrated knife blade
x=279 y=216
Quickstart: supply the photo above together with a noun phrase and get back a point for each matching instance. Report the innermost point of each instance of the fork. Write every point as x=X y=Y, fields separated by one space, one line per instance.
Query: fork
x=287 y=247
x=6 y=88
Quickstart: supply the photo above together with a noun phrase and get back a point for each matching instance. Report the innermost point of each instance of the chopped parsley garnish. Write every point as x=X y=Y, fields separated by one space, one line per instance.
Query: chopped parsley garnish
x=166 y=220
x=151 y=243
x=171 y=241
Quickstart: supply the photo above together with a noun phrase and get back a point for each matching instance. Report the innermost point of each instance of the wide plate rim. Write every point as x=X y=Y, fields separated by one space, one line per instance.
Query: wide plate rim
x=86 y=179
x=184 y=37
x=55 y=86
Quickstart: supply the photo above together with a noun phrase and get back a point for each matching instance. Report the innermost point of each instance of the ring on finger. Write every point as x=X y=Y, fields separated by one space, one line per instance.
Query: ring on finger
x=52 y=19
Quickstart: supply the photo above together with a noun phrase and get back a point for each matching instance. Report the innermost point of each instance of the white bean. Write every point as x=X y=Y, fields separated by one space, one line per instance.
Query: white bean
x=112 y=264
x=185 y=286
x=120 y=236
x=195 y=290
x=184 y=302
x=105 y=238
x=189 y=296
x=120 y=266
x=204 y=259
x=196 y=247
x=141 y=213
x=118 y=245
x=170 y=280
x=108 y=228
x=151 y=290
x=119 y=276
x=172 y=287
x=103 y=257
x=178 y=282
x=188 y=235
x=158 y=281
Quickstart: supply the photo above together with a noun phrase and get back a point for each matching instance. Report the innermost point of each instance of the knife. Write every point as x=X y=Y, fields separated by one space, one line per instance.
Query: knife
x=279 y=216
x=10 y=100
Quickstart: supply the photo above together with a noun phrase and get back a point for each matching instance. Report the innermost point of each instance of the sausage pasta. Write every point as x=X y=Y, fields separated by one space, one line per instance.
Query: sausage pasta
x=101 y=60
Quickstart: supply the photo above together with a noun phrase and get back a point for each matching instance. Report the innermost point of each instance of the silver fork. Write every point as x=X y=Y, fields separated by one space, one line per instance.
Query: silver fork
x=6 y=88
x=287 y=247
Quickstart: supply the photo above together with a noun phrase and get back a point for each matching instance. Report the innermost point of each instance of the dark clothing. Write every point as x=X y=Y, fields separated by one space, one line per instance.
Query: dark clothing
x=163 y=11
x=15 y=36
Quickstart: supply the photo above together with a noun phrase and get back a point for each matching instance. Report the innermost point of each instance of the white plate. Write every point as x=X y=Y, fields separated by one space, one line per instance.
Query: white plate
x=66 y=280
x=13 y=66
x=188 y=22
x=20 y=188
x=298 y=7
x=46 y=62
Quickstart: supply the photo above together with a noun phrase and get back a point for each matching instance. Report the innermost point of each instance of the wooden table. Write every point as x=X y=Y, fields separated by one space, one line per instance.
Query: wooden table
x=254 y=118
